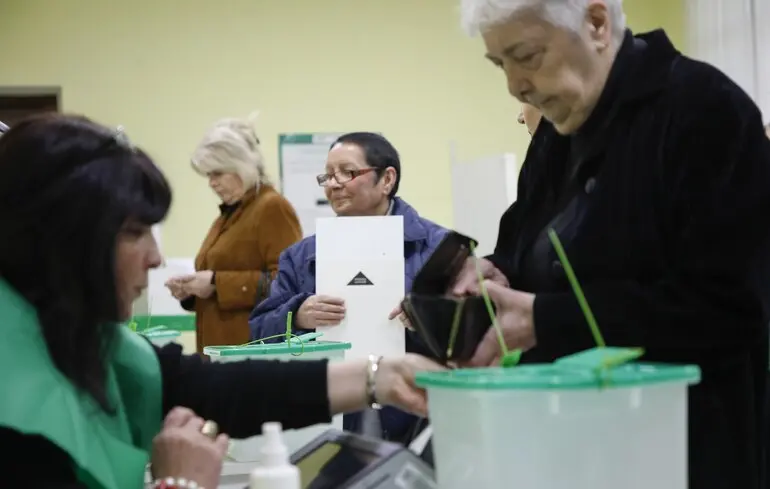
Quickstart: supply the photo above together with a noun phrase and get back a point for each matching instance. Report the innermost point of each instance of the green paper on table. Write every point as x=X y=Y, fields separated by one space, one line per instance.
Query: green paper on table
x=600 y=358
x=511 y=358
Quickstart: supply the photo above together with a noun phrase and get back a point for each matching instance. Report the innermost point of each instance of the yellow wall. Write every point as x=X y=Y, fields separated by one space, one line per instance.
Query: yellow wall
x=166 y=69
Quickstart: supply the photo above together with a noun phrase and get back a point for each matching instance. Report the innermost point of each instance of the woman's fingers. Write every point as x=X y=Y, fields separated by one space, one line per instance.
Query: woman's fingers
x=223 y=443
x=178 y=417
x=323 y=307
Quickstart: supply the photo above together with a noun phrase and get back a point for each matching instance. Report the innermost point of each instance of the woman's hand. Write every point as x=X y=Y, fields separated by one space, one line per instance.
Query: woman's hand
x=181 y=451
x=176 y=289
x=467 y=281
x=394 y=383
x=515 y=316
x=398 y=312
x=320 y=310
x=197 y=284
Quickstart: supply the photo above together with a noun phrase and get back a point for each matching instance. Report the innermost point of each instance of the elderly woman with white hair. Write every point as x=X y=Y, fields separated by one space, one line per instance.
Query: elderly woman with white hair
x=654 y=170
x=239 y=256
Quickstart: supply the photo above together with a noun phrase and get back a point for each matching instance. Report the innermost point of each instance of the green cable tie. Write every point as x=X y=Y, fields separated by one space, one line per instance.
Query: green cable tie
x=578 y=291
x=509 y=358
x=288 y=325
x=289 y=336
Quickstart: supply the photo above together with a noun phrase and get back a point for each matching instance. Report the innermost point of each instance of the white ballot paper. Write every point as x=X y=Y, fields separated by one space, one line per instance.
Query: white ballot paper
x=361 y=260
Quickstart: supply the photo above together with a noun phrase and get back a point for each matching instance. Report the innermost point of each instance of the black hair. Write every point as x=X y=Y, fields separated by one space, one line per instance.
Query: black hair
x=378 y=151
x=67 y=188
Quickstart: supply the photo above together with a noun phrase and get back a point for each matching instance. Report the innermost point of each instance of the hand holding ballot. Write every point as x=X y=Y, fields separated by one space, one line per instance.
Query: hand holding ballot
x=367 y=270
x=515 y=316
x=198 y=284
x=320 y=310
x=177 y=290
x=467 y=280
x=398 y=312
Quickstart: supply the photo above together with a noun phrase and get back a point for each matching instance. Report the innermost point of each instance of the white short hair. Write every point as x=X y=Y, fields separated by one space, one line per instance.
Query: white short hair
x=479 y=15
x=231 y=146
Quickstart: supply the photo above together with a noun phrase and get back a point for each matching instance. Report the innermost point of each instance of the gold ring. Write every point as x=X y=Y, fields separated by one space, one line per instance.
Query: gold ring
x=210 y=429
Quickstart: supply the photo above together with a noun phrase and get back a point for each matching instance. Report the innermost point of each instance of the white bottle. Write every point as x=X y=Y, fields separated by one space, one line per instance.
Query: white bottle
x=274 y=470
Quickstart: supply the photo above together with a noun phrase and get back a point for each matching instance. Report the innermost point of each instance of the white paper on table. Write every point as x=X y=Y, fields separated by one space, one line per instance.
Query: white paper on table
x=361 y=260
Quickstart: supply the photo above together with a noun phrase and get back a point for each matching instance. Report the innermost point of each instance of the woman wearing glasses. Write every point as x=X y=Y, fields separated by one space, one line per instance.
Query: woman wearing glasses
x=362 y=175
x=83 y=397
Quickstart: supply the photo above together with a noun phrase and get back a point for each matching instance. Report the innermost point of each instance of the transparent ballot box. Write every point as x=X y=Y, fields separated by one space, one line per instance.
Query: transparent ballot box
x=553 y=426
x=296 y=350
x=160 y=336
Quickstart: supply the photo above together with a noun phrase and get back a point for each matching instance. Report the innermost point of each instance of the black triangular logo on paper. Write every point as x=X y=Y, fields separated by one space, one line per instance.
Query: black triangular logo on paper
x=360 y=279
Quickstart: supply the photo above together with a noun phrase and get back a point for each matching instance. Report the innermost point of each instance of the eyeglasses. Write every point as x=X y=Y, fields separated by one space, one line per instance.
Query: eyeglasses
x=342 y=176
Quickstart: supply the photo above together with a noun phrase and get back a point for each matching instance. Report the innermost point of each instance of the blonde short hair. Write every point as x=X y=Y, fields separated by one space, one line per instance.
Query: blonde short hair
x=231 y=146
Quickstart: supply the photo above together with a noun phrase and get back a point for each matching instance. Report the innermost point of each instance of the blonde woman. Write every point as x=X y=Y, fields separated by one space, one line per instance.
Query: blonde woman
x=239 y=256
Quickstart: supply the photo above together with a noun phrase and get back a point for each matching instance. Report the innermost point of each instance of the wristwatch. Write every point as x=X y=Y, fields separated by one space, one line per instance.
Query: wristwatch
x=373 y=366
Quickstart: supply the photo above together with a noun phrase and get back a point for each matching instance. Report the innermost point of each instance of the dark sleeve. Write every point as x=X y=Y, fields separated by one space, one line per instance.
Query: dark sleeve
x=240 y=396
x=31 y=461
x=715 y=292
x=509 y=225
x=188 y=304
x=501 y=258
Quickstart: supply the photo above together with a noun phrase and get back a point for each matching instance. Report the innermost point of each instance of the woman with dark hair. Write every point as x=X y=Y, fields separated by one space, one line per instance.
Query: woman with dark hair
x=363 y=172
x=83 y=396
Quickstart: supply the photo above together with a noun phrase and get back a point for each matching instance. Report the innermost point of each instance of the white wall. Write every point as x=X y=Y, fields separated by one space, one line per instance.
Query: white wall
x=731 y=35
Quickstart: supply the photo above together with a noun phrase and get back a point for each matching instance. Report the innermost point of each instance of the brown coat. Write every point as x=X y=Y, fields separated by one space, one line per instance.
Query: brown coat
x=242 y=249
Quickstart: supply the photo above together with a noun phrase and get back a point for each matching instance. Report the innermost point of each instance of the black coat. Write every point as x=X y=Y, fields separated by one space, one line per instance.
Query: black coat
x=664 y=211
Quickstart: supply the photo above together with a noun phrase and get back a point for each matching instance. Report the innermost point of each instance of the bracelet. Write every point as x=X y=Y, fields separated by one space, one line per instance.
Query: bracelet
x=175 y=483
x=371 y=386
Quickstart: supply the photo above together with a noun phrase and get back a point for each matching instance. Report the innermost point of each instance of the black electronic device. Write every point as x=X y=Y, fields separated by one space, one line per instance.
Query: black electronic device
x=451 y=327
x=340 y=460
